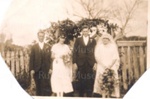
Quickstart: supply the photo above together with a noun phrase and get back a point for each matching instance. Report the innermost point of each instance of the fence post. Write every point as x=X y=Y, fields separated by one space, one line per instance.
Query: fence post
x=124 y=69
x=26 y=61
x=12 y=62
x=135 y=64
x=21 y=62
x=130 y=73
x=17 y=63
x=8 y=58
x=142 y=67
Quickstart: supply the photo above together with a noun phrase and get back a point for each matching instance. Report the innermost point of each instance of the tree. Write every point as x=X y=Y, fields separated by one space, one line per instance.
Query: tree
x=91 y=9
x=125 y=14
x=122 y=11
x=2 y=41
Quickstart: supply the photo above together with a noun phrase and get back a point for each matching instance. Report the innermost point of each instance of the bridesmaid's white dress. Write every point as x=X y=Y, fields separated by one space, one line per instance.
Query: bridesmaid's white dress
x=61 y=78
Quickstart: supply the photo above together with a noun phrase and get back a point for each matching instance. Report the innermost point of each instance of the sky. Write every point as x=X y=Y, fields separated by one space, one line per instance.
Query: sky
x=24 y=18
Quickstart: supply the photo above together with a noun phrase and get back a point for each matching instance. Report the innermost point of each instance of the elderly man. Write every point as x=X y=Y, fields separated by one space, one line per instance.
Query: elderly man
x=40 y=63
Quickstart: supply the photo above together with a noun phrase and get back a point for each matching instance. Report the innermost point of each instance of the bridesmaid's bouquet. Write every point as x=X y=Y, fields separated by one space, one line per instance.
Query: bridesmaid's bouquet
x=107 y=82
x=67 y=59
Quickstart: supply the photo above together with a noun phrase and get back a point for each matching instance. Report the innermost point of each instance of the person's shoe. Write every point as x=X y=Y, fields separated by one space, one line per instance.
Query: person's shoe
x=97 y=95
x=113 y=97
x=53 y=94
x=68 y=94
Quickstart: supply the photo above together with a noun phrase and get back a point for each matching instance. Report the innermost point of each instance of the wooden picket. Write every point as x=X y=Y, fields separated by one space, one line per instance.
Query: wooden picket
x=17 y=64
x=133 y=60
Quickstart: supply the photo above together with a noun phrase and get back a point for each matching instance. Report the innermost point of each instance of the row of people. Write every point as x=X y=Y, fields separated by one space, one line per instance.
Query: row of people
x=61 y=61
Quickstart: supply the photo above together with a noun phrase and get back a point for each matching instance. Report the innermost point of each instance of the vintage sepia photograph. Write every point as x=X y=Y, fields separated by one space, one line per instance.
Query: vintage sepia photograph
x=75 y=48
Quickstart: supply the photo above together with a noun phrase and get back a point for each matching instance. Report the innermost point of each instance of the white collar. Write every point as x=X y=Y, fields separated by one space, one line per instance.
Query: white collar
x=86 y=37
x=41 y=44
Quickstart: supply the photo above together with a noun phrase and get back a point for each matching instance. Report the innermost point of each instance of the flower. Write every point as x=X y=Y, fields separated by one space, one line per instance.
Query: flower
x=66 y=59
x=107 y=81
x=47 y=48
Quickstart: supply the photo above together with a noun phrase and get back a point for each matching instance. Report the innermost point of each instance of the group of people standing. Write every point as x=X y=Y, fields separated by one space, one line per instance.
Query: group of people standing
x=53 y=67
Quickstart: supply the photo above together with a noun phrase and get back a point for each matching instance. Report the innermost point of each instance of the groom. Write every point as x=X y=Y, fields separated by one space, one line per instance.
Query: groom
x=40 y=65
x=83 y=58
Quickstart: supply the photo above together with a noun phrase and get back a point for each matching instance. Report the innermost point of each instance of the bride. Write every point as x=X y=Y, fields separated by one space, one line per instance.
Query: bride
x=107 y=57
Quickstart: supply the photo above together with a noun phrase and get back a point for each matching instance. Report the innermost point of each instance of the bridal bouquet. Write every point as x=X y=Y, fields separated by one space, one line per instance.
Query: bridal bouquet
x=107 y=82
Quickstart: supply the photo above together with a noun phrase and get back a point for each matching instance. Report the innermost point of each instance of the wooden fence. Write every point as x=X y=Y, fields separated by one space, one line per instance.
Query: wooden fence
x=132 y=55
x=133 y=61
x=18 y=61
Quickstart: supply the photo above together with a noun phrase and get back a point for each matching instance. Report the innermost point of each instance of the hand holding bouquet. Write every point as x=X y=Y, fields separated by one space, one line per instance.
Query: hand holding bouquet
x=66 y=59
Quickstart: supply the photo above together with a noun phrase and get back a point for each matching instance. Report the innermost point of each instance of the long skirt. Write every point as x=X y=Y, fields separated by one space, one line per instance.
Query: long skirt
x=97 y=86
x=61 y=79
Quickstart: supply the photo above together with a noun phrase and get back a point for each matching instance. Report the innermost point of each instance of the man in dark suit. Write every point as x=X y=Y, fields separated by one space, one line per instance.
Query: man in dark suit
x=40 y=63
x=83 y=58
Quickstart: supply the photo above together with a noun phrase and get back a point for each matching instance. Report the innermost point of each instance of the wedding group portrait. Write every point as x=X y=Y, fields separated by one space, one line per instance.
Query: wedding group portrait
x=75 y=48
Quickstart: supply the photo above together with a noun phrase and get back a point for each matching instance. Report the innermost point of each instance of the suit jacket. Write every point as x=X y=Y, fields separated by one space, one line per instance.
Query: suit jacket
x=40 y=59
x=84 y=53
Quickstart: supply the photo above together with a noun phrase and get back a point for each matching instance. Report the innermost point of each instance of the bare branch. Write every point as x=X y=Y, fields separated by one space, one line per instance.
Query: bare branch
x=78 y=15
x=126 y=6
x=98 y=12
x=130 y=13
x=84 y=5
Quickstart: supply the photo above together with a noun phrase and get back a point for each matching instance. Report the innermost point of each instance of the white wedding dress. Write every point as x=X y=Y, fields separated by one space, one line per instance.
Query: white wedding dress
x=9 y=87
x=105 y=55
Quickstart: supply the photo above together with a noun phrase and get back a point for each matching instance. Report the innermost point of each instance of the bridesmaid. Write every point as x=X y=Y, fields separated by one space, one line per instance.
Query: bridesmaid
x=61 y=81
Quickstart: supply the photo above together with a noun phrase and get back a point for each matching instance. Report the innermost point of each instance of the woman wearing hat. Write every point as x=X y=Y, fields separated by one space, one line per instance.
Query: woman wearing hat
x=107 y=57
x=61 y=73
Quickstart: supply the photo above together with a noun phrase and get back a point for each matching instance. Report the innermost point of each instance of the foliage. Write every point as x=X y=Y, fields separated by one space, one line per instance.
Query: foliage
x=2 y=37
x=102 y=25
x=69 y=29
x=12 y=47
x=8 y=46
x=90 y=22
x=72 y=30
x=66 y=27
x=107 y=81
x=52 y=33
x=26 y=82
x=132 y=38
x=24 y=79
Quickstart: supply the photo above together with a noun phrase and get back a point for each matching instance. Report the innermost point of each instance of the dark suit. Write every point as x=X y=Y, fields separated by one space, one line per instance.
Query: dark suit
x=83 y=56
x=40 y=62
